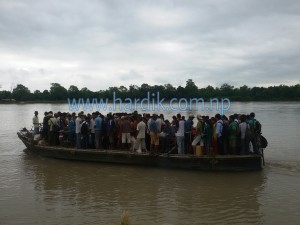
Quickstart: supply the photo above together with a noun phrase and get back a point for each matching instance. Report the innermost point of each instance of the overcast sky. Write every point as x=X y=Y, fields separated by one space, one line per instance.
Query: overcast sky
x=100 y=44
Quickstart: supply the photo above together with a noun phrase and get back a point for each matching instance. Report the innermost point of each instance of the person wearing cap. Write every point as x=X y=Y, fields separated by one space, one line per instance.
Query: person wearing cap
x=35 y=122
x=199 y=133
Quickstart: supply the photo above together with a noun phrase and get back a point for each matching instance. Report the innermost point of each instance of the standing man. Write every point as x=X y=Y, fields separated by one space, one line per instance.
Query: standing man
x=140 y=138
x=180 y=134
x=71 y=129
x=160 y=122
x=45 y=126
x=199 y=133
x=35 y=122
x=52 y=124
x=254 y=134
x=92 y=129
x=219 y=130
x=125 y=131
x=111 y=127
x=153 y=135
x=85 y=127
x=78 y=130
x=188 y=124
x=98 y=131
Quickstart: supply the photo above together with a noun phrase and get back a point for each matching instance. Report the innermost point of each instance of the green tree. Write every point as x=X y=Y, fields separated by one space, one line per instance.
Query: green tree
x=134 y=91
x=122 y=92
x=86 y=93
x=209 y=92
x=226 y=90
x=58 y=92
x=191 y=89
x=123 y=89
x=180 y=92
x=5 y=95
x=169 y=91
x=145 y=87
x=21 y=93
x=37 y=95
x=46 y=95
x=73 y=92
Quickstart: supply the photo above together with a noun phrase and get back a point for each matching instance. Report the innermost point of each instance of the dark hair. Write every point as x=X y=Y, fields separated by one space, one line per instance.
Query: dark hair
x=218 y=116
x=243 y=118
x=224 y=117
x=252 y=114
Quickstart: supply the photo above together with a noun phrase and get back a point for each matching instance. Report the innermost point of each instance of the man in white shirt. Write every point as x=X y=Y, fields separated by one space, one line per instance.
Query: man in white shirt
x=160 y=122
x=78 y=130
x=180 y=134
x=219 y=130
x=52 y=123
x=140 y=138
x=35 y=122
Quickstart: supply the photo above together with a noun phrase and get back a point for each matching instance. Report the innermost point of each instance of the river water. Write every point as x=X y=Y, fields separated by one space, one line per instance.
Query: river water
x=36 y=190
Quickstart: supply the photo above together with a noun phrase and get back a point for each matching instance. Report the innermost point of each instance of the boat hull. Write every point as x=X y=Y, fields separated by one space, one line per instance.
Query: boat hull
x=174 y=161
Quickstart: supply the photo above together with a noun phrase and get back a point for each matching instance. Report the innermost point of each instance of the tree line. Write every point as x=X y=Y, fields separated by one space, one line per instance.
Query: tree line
x=244 y=93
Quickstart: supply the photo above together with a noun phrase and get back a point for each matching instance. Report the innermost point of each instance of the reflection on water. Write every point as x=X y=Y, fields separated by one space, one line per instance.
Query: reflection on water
x=152 y=196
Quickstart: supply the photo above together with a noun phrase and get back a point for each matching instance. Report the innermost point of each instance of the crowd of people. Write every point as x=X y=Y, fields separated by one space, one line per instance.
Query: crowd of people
x=143 y=133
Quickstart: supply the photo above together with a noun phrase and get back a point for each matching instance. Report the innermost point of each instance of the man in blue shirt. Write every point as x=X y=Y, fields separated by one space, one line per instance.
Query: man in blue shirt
x=154 y=135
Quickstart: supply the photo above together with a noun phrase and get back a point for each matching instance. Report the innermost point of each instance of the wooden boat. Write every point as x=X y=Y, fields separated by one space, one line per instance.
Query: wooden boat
x=174 y=161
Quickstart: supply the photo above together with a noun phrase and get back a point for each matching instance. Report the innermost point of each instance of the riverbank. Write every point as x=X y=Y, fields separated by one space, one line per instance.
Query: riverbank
x=34 y=102
x=110 y=101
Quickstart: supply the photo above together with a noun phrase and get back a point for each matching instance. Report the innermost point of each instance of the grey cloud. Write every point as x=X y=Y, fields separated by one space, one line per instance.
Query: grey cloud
x=90 y=43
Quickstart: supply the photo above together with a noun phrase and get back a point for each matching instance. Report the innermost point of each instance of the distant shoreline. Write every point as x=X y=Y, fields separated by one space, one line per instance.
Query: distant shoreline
x=66 y=102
